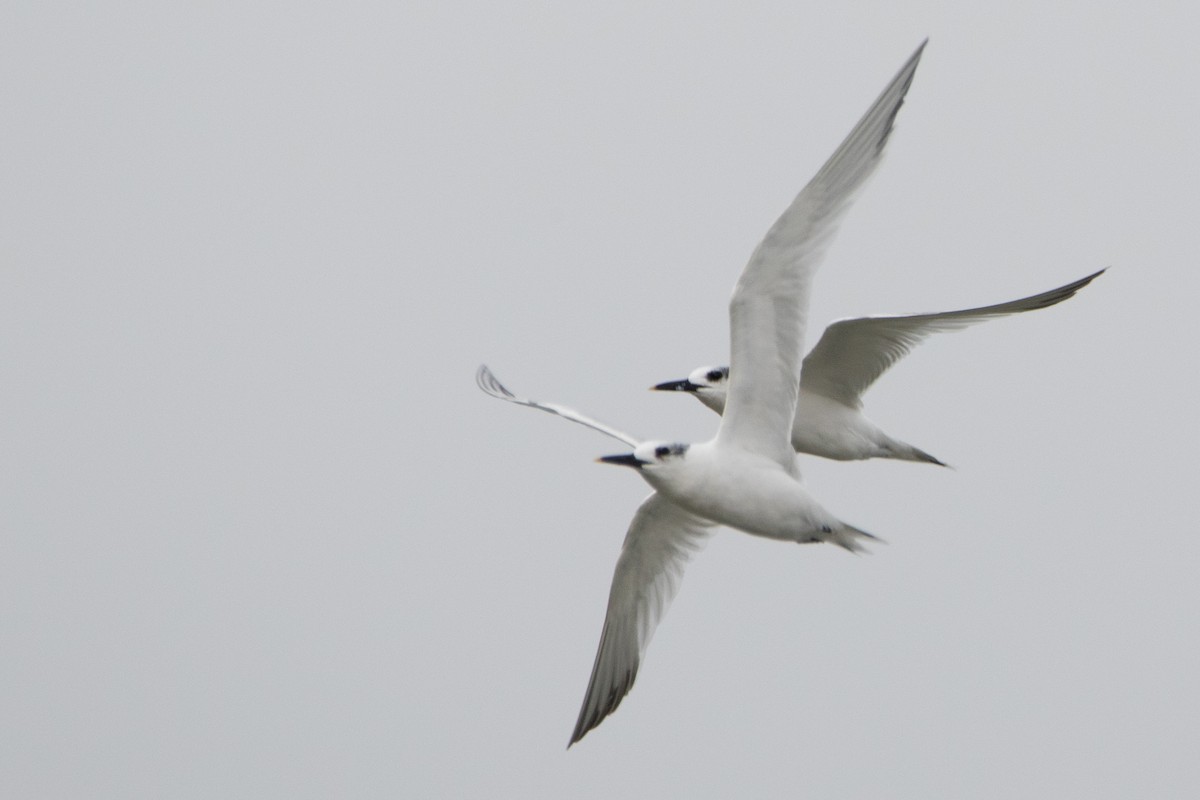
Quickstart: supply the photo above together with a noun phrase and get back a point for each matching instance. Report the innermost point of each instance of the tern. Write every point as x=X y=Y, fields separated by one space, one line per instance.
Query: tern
x=746 y=477
x=850 y=356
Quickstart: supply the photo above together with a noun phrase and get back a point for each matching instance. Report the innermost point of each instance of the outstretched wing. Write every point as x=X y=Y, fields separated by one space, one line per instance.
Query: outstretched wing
x=659 y=543
x=489 y=384
x=853 y=353
x=769 y=309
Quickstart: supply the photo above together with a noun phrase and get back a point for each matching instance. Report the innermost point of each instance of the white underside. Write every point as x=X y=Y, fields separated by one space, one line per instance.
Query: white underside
x=745 y=491
x=830 y=429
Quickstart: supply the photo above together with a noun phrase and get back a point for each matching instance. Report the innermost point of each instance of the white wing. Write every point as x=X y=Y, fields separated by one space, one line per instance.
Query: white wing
x=769 y=309
x=489 y=384
x=661 y=539
x=853 y=353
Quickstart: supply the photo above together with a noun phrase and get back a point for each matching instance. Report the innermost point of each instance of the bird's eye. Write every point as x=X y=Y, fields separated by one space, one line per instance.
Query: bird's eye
x=714 y=375
x=662 y=452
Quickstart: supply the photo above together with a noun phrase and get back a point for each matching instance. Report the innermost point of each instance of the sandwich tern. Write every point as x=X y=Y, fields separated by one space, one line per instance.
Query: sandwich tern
x=850 y=356
x=746 y=477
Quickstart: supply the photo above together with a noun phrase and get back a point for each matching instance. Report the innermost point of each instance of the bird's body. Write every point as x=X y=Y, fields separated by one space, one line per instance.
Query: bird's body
x=746 y=477
x=834 y=430
x=831 y=429
x=750 y=492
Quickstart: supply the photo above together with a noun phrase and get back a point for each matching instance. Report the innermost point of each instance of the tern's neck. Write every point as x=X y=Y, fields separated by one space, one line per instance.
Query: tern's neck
x=715 y=402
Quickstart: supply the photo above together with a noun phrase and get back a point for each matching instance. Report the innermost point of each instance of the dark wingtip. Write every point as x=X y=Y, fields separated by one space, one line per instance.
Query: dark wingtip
x=489 y=383
x=581 y=730
x=911 y=68
x=1056 y=296
x=584 y=724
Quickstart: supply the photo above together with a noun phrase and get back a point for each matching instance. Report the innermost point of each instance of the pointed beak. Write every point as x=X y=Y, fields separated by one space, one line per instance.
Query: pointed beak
x=626 y=460
x=676 y=386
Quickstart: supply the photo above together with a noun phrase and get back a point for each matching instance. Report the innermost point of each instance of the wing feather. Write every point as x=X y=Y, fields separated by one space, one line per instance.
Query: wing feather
x=660 y=541
x=488 y=382
x=769 y=308
x=853 y=353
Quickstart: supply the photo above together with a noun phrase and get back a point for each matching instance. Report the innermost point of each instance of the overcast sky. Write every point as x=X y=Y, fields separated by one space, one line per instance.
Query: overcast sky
x=262 y=537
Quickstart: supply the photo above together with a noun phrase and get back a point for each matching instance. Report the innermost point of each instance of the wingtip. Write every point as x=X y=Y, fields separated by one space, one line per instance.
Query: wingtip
x=903 y=80
x=1056 y=296
x=911 y=64
x=483 y=375
x=489 y=384
x=581 y=730
x=1084 y=281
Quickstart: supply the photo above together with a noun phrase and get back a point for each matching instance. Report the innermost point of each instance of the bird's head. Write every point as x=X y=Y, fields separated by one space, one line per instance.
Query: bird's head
x=650 y=456
x=709 y=385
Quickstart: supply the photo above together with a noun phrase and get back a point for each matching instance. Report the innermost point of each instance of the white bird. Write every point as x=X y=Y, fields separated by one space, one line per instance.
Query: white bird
x=746 y=477
x=851 y=355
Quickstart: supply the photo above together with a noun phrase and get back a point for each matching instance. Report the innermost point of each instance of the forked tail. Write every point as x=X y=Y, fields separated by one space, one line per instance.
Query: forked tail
x=917 y=454
x=903 y=451
x=851 y=538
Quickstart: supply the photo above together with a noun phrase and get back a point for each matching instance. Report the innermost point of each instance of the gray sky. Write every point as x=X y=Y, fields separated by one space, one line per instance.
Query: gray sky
x=262 y=537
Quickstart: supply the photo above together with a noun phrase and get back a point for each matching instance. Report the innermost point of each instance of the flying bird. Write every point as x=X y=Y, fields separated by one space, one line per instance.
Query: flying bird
x=746 y=477
x=850 y=356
